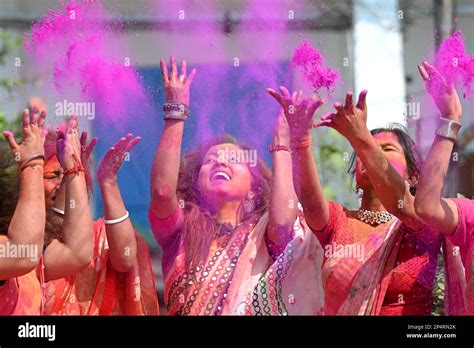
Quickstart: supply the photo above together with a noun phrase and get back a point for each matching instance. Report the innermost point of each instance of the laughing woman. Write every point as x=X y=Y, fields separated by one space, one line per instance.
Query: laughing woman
x=118 y=280
x=22 y=216
x=453 y=217
x=388 y=259
x=219 y=222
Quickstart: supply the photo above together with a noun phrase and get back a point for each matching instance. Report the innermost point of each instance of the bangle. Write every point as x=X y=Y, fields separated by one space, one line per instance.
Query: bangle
x=116 y=221
x=36 y=156
x=448 y=128
x=74 y=170
x=273 y=148
x=57 y=210
x=175 y=110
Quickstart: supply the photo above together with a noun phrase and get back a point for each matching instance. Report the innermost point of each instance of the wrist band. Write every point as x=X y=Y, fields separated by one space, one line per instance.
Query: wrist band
x=448 y=128
x=36 y=156
x=272 y=148
x=116 y=221
x=175 y=110
x=57 y=210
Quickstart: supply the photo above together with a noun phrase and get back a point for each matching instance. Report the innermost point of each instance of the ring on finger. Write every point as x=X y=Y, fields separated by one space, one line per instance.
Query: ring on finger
x=181 y=78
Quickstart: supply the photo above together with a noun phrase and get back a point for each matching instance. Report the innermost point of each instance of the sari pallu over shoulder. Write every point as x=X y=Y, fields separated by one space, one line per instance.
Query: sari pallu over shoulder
x=100 y=290
x=366 y=279
x=292 y=283
x=220 y=288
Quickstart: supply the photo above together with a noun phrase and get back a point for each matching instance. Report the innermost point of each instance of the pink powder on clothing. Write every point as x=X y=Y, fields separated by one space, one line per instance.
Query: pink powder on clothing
x=312 y=65
x=454 y=64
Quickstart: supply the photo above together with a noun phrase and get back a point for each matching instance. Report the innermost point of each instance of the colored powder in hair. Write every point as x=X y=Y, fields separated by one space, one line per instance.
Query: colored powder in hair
x=311 y=64
x=455 y=64
x=86 y=58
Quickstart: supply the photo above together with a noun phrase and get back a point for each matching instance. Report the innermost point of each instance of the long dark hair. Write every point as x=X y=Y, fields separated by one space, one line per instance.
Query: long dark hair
x=412 y=154
x=199 y=225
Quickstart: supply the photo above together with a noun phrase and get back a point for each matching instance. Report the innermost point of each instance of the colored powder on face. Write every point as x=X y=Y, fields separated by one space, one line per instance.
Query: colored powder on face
x=312 y=65
x=454 y=64
x=86 y=58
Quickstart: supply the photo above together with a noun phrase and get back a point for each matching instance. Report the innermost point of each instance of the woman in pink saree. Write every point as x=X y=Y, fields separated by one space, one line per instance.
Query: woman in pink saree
x=223 y=224
x=23 y=217
x=454 y=217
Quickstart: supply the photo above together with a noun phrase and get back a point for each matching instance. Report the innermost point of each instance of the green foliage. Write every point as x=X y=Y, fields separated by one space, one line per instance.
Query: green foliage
x=437 y=308
x=331 y=153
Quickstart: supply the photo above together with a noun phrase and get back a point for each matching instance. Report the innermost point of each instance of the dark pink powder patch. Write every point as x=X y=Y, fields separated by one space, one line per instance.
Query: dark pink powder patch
x=312 y=65
x=455 y=64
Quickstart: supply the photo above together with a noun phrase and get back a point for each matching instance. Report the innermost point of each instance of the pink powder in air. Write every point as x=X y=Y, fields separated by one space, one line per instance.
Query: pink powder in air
x=311 y=64
x=86 y=58
x=455 y=64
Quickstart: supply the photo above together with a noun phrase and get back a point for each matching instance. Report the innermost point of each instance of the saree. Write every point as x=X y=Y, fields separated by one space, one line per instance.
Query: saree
x=459 y=255
x=100 y=290
x=392 y=275
x=240 y=276
x=22 y=295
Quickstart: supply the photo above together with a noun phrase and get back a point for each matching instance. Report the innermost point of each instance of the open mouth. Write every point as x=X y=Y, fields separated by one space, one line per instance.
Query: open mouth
x=220 y=176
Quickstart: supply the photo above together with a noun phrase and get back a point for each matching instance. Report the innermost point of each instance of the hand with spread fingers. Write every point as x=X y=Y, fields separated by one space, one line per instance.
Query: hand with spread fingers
x=30 y=150
x=113 y=159
x=69 y=147
x=176 y=87
x=349 y=120
x=443 y=92
x=298 y=112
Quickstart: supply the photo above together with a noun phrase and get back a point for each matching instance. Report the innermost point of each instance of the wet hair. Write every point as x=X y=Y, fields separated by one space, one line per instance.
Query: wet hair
x=410 y=150
x=199 y=226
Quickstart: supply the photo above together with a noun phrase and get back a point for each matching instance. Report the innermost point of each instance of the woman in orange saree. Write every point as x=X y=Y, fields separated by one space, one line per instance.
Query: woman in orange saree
x=23 y=216
x=453 y=217
x=220 y=220
x=119 y=279
x=380 y=259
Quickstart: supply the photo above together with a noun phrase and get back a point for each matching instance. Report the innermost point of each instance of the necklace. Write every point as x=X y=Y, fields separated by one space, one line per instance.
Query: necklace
x=374 y=217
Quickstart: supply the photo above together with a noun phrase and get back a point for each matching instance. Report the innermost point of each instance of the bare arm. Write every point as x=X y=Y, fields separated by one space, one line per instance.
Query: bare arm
x=283 y=202
x=429 y=203
x=351 y=121
x=120 y=236
x=299 y=114
x=75 y=252
x=26 y=228
x=165 y=167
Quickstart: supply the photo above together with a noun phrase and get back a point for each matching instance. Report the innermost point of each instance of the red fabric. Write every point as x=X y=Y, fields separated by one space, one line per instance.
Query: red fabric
x=409 y=290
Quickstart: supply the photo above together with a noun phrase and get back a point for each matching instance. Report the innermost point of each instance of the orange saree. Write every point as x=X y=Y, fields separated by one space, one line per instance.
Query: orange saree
x=100 y=290
x=21 y=295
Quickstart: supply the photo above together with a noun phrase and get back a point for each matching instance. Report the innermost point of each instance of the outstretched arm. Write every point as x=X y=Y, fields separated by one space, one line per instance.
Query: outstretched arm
x=27 y=225
x=165 y=167
x=351 y=121
x=429 y=203
x=299 y=115
x=121 y=235
x=74 y=252
x=283 y=207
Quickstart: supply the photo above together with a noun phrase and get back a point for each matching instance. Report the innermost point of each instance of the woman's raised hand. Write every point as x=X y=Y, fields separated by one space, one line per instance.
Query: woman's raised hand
x=176 y=87
x=114 y=157
x=69 y=146
x=32 y=142
x=444 y=94
x=298 y=112
x=349 y=120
